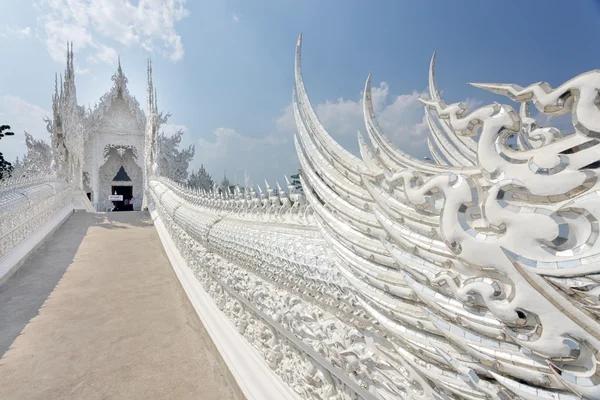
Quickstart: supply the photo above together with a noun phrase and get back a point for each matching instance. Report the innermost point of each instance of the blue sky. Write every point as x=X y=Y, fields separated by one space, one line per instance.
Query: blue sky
x=225 y=68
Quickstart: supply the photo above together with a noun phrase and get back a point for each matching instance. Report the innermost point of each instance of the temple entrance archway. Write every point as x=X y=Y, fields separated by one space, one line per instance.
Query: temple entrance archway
x=120 y=173
x=127 y=193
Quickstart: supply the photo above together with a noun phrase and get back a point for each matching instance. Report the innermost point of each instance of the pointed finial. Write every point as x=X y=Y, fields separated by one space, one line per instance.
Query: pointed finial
x=150 y=88
x=150 y=70
x=68 y=66
x=155 y=101
x=119 y=64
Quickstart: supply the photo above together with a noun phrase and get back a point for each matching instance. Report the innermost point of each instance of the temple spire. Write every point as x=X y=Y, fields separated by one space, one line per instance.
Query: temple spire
x=150 y=88
x=119 y=77
x=155 y=102
x=72 y=63
x=70 y=69
x=55 y=97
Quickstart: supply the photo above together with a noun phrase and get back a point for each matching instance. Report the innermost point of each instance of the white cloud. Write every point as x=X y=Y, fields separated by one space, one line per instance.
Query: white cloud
x=81 y=71
x=104 y=54
x=171 y=129
x=271 y=156
x=235 y=18
x=401 y=118
x=227 y=142
x=93 y=24
x=21 y=116
x=227 y=150
x=15 y=31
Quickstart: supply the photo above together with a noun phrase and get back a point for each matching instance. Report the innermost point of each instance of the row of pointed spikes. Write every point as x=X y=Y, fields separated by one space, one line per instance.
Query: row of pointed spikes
x=69 y=75
x=15 y=182
x=215 y=189
x=70 y=70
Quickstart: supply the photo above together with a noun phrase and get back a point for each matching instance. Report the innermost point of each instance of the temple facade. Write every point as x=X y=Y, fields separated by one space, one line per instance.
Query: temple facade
x=103 y=151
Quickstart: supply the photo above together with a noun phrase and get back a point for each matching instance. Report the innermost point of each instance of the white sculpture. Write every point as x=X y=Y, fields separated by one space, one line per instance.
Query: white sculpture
x=80 y=139
x=475 y=276
x=37 y=160
x=496 y=245
x=470 y=277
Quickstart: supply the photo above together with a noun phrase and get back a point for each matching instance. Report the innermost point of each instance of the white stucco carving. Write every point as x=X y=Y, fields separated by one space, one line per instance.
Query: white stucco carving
x=80 y=137
x=474 y=276
x=26 y=203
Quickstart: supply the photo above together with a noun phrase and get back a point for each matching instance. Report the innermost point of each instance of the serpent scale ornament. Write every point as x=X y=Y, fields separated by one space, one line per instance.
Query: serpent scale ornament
x=475 y=276
x=490 y=253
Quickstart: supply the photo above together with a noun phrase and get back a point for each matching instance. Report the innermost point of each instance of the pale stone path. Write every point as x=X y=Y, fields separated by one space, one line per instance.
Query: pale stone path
x=98 y=313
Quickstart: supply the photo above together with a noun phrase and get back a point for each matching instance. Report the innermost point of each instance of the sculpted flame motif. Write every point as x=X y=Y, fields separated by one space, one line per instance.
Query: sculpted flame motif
x=476 y=276
x=484 y=264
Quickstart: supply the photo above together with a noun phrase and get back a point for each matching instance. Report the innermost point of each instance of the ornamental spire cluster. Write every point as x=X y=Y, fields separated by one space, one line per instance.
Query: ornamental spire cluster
x=66 y=127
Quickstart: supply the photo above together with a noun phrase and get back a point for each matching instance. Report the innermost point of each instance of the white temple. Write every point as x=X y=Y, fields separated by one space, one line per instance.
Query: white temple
x=475 y=275
x=102 y=151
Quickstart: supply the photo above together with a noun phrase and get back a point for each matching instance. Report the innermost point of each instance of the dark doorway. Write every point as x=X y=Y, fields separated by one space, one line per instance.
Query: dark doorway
x=89 y=195
x=127 y=193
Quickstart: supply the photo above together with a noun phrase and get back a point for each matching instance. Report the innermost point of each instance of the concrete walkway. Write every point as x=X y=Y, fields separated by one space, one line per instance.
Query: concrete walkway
x=98 y=313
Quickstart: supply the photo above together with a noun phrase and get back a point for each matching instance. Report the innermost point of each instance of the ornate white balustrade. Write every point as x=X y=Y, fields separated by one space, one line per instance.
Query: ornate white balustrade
x=279 y=286
x=26 y=204
x=475 y=276
x=272 y=207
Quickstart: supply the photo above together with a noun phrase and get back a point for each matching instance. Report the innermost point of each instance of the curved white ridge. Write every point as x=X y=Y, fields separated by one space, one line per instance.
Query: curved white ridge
x=351 y=165
x=485 y=237
x=393 y=157
x=466 y=146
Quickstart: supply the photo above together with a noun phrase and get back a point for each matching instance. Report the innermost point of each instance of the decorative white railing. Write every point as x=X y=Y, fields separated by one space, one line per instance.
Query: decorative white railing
x=26 y=204
x=278 y=285
x=275 y=207
x=475 y=276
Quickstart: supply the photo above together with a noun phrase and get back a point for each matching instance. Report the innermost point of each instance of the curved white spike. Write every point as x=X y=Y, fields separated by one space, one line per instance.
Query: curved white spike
x=435 y=154
x=370 y=159
x=349 y=164
x=454 y=158
x=399 y=158
x=465 y=146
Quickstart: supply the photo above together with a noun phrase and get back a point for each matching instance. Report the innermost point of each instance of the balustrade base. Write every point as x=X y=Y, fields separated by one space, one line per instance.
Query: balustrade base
x=14 y=259
x=248 y=369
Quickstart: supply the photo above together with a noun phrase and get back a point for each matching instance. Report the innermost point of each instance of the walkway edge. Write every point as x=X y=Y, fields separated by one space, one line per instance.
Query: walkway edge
x=14 y=259
x=252 y=374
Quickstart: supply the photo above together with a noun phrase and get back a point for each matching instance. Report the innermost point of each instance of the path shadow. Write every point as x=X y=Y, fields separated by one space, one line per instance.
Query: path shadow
x=24 y=293
x=122 y=219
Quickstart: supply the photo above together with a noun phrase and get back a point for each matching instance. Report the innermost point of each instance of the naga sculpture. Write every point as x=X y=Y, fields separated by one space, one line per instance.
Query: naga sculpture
x=475 y=276
x=483 y=265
